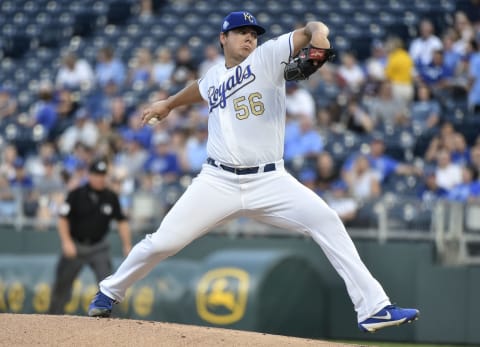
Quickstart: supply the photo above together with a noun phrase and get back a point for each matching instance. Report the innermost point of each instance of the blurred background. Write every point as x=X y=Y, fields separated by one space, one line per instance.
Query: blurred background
x=387 y=134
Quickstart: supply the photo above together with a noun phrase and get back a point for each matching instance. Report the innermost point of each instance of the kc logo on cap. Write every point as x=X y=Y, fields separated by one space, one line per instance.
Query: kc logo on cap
x=241 y=19
x=249 y=17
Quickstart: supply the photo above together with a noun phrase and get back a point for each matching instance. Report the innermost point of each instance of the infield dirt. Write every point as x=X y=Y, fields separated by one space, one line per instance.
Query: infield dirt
x=45 y=330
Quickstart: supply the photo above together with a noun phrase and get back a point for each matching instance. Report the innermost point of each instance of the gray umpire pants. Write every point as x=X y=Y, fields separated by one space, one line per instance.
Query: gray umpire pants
x=96 y=256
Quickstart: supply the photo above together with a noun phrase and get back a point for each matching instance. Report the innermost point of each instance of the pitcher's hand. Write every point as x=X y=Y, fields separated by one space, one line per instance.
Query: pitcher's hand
x=155 y=112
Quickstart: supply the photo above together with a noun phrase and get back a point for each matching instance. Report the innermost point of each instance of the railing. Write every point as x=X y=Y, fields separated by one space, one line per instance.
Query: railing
x=452 y=226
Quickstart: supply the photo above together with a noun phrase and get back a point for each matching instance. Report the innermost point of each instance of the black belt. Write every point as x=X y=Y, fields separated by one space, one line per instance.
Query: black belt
x=242 y=170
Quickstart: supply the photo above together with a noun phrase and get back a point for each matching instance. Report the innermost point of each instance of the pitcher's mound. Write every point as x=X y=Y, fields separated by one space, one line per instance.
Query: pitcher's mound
x=46 y=330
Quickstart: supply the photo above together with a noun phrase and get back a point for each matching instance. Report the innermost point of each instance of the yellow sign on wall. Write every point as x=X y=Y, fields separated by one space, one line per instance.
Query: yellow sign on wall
x=222 y=295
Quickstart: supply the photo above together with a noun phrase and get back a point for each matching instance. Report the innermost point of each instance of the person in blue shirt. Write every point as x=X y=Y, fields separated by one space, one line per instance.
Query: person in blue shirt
x=468 y=188
x=429 y=191
x=196 y=149
x=425 y=111
x=474 y=75
x=46 y=108
x=109 y=68
x=21 y=179
x=436 y=74
x=383 y=164
x=302 y=139
x=162 y=161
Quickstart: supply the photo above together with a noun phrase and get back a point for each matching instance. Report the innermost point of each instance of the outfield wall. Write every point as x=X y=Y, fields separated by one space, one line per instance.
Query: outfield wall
x=278 y=285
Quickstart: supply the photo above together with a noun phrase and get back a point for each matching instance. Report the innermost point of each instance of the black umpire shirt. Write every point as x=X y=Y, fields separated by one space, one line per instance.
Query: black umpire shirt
x=89 y=213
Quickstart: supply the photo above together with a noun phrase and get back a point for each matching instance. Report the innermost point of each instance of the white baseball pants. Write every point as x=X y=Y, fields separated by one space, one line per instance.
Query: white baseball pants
x=275 y=198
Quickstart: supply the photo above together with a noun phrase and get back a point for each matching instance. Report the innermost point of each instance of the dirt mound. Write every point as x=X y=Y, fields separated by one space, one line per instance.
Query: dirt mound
x=45 y=330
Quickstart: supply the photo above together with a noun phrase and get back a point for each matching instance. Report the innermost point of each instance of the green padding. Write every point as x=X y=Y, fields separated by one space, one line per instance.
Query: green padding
x=26 y=283
x=263 y=290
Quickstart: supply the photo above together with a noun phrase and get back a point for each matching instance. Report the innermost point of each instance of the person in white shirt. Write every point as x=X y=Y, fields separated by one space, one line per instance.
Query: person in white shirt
x=74 y=73
x=422 y=48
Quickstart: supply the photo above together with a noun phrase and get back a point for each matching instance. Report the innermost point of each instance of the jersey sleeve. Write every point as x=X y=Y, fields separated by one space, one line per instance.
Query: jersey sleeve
x=274 y=53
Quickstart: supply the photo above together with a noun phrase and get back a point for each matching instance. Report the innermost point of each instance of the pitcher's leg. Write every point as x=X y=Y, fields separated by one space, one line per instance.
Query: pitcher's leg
x=203 y=205
x=298 y=208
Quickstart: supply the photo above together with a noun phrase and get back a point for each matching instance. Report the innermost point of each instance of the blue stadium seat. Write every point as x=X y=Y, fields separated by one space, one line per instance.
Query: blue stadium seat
x=15 y=46
x=119 y=12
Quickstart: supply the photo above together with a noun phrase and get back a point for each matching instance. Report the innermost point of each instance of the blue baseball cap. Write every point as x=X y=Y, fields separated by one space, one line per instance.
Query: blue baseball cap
x=241 y=19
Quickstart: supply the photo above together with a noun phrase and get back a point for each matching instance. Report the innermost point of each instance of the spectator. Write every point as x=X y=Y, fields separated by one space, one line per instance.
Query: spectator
x=8 y=203
x=299 y=101
x=118 y=117
x=436 y=75
x=109 y=68
x=50 y=181
x=132 y=155
x=340 y=200
x=351 y=73
x=468 y=189
x=386 y=109
x=422 y=48
x=99 y=103
x=36 y=163
x=74 y=73
x=302 y=140
x=140 y=72
x=326 y=172
x=447 y=173
x=382 y=164
x=212 y=57
x=474 y=74
x=308 y=178
x=196 y=149
x=356 y=118
x=399 y=70
x=465 y=30
x=362 y=180
x=83 y=130
x=375 y=66
x=21 y=180
x=444 y=139
x=326 y=90
x=163 y=68
x=163 y=162
x=45 y=110
x=185 y=68
x=429 y=191
x=451 y=56
x=460 y=153
x=424 y=111
x=474 y=158
x=8 y=107
x=7 y=163
x=67 y=105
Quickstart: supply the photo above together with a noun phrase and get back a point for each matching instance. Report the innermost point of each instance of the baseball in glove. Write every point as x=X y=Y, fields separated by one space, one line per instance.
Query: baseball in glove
x=306 y=62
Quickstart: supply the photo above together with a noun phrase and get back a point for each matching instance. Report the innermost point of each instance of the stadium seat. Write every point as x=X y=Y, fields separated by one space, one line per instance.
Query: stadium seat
x=119 y=12
x=84 y=23
x=16 y=46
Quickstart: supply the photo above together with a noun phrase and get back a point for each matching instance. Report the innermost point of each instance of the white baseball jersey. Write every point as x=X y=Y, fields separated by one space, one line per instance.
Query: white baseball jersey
x=247 y=106
x=246 y=128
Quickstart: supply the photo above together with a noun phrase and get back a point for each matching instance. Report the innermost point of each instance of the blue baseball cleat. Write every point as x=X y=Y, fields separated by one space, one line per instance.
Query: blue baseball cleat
x=388 y=316
x=101 y=306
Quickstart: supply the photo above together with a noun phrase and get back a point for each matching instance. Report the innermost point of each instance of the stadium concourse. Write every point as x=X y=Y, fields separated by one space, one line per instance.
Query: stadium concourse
x=75 y=75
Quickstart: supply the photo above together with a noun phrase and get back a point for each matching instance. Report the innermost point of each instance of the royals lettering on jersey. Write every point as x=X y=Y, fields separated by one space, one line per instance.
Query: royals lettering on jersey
x=246 y=122
x=217 y=96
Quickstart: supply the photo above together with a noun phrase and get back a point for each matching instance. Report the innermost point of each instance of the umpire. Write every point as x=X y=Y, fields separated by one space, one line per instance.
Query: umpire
x=83 y=223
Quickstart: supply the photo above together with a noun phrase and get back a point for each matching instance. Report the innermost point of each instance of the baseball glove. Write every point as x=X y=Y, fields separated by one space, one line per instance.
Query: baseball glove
x=306 y=62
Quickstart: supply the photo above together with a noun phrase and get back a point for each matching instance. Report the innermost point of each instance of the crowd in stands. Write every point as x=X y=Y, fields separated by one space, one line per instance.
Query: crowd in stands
x=354 y=130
